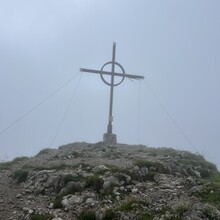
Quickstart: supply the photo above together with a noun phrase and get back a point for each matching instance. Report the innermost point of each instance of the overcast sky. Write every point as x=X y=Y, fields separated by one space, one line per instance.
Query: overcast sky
x=174 y=44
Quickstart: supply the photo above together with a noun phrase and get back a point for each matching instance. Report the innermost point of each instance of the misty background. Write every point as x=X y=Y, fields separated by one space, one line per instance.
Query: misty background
x=174 y=44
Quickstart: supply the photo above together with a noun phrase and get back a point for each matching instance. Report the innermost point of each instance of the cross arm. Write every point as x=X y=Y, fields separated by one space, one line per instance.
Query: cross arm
x=109 y=73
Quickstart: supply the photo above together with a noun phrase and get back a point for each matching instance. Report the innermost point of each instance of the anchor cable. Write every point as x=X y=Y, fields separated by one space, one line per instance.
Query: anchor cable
x=139 y=112
x=171 y=117
x=36 y=106
x=66 y=111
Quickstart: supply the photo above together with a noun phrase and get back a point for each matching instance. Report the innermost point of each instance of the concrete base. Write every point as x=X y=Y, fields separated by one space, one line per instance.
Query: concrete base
x=110 y=138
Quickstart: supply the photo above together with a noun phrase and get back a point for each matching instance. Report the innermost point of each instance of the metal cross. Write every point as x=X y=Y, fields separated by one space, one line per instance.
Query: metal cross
x=113 y=63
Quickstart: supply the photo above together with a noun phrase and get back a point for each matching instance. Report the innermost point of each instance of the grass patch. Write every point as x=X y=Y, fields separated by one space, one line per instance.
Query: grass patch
x=41 y=217
x=198 y=162
x=157 y=166
x=68 y=190
x=87 y=215
x=211 y=212
x=61 y=166
x=76 y=154
x=101 y=172
x=20 y=175
x=128 y=205
x=70 y=178
x=94 y=182
x=19 y=159
x=110 y=191
x=146 y=216
x=211 y=191
x=109 y=215
x=5 y=165
x=181 y=208
x=45 y=151
x=153 y=168
x=120 y=177
x=114 y=169
x=163 y=151
x=9 y=164
x=86 y=167
x=57 y=201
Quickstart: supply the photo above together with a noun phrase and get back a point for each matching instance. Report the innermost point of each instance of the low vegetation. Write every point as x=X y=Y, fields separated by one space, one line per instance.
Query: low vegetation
x=197 y=162
x=146 y=216
x=129 y=204
x=57 y=201
x=94 y=182
x=87 y=215
x=210 y=192
x=9 y=164
x=114 y=169
x=70 y=178
x=181 y=207
x=165 y=186
x=109 y=215
x=20 y=175
x=41 y=217
x=61 y=166
x=45 y=151
x=153 y=165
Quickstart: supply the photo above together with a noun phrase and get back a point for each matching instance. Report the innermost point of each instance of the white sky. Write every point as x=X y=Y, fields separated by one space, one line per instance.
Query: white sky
x=174 y=44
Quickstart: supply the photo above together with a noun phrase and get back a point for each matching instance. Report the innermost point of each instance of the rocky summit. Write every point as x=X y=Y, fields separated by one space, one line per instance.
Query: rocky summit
x=103 y=182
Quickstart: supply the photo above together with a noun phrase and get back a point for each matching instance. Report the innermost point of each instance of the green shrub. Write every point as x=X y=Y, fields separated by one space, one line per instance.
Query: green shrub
x=45 y=151
x=114 y=169
x=101 y=172
x=58 y=199
x=211 y=191
x=67 y=178
x=9 y=164
x=57 y=202
x=109 y=215
x=86 y=167
x=204 y=172
x=147 y=177
x=206 y=168
x=210 y=211
x=70 y=178
x=128 y=205
x=120 y=177
x=61 y=166
x=181 y=208
x=146 y=216
x=19 y=159
x=41 y=217
x=94 y=182
x=159 y=167
x=76 y=154
x=72 y=190
x=20 y=175
x=109 y=191
x=5 y=165
x=87 y=215
x=68 y=190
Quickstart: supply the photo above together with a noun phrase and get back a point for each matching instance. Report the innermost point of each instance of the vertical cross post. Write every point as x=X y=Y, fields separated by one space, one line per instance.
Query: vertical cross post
x=109 y=137
x=110 y=119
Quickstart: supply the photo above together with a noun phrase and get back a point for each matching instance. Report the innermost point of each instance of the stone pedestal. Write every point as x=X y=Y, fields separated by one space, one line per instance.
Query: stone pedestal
x=110 y=138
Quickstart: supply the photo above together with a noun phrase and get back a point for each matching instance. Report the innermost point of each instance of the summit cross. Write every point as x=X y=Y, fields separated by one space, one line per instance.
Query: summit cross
x=109 y=137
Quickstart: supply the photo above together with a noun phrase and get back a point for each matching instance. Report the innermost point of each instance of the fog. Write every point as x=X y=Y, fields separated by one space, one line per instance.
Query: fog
x=174 y=44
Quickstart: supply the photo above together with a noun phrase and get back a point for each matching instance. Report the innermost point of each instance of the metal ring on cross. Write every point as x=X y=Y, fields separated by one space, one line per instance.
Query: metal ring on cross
x=117 y=64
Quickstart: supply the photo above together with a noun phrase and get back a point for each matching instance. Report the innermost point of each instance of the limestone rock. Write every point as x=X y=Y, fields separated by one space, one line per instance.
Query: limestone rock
x=110 y=181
